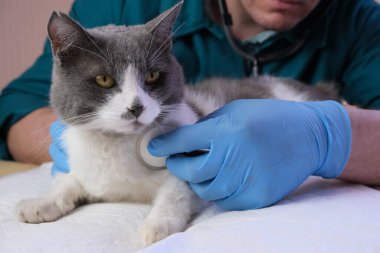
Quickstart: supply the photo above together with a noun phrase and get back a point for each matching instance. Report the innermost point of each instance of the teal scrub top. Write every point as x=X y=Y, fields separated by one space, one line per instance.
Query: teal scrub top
x=344 y=48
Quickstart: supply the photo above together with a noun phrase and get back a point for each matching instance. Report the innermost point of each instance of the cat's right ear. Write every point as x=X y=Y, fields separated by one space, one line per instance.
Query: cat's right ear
x=162 y=25
x=63 y=32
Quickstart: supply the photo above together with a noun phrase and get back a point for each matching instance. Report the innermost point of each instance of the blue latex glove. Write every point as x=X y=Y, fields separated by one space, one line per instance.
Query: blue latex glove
x=259 y=150
x=57 y=149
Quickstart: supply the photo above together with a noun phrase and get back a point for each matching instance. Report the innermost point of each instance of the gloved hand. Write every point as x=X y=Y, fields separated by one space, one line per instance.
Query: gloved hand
x=259 y=150
x=57 y=150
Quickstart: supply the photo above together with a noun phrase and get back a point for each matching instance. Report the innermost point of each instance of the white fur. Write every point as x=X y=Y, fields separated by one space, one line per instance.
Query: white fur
x=285 y=92
x=184 y=115
x=110 y=113
x=106 y=167
x=204 y=102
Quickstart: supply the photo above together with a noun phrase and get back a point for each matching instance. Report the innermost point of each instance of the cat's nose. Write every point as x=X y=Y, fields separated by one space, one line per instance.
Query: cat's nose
x=136 y=109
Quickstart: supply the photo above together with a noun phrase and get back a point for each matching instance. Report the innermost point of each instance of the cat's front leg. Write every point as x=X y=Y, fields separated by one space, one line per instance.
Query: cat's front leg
x=64 y=197
x=173 y=207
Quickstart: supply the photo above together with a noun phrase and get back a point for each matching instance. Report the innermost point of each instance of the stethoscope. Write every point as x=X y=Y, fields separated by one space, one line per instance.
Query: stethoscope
x=267 y=57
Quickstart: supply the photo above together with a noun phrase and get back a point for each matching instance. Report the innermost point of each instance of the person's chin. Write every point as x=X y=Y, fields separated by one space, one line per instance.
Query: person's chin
x=280 y=23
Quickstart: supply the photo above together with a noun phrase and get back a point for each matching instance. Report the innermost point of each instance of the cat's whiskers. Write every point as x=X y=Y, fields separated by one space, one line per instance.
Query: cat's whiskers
x=157 y=125
x=42 y=146
x=109 y=55
x=46 y=139
x=150 y=44
x=167 y=112
x=90 y=52
x=93 y=42
x=173 y=107
x=169 y=39
x=86 y=115
x=41 y=149
x=43 y=128
x=159 y=61
x=96 y=126
x=89 y=37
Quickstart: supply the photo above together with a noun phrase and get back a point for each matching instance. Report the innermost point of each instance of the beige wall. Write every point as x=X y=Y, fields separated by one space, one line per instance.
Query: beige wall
x=22 y=33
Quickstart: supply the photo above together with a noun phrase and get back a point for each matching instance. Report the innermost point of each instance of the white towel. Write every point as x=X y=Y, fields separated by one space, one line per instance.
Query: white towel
x=321 y=216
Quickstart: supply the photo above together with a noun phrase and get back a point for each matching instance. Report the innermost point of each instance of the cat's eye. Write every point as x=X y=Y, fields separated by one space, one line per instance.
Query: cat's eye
x=152 y=77
x=104 y=81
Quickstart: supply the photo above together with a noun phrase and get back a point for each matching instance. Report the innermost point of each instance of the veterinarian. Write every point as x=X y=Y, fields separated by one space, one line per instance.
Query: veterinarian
x=259 y=150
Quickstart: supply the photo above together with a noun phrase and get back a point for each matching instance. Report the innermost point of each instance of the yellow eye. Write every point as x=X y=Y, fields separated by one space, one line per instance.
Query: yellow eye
x=105 y=81
x=152 y=77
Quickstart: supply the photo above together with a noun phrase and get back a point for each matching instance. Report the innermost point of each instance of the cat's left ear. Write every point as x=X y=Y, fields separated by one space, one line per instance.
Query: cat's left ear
x=162 y=25
x=63 y=32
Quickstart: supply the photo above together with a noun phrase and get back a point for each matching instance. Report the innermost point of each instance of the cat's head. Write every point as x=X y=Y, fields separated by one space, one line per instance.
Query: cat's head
x=115 y=79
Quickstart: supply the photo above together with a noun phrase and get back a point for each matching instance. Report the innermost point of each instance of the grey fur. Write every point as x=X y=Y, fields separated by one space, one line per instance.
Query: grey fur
x=110 y=159
x=82 y=54
x=223 y=90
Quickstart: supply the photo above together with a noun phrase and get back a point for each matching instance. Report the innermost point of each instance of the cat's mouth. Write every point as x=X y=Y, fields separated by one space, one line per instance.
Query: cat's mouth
x=136 y=126
x=121 y=127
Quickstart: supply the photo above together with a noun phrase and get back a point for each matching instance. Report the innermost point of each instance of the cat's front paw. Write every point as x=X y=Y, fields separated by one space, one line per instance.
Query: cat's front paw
x=156 y=229
x=37 y=211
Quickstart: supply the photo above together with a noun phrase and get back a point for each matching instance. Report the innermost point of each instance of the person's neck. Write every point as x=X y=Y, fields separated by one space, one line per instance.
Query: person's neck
x=243 y=26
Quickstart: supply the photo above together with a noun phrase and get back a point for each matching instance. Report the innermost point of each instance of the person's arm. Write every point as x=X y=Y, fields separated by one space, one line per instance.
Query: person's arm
x=24 y=118
x=29 y=139
x=364 y=163
x=23 y=96
x=361 y=86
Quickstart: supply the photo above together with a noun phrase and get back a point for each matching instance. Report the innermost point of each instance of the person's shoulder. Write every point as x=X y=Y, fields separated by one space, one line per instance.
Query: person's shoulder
x=354 y=21
x=367 y=5
x=360 y=12
x=123 y=12
x=92 y=13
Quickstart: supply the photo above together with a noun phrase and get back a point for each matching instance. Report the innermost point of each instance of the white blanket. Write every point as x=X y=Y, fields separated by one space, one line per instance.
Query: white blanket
x=321 y=216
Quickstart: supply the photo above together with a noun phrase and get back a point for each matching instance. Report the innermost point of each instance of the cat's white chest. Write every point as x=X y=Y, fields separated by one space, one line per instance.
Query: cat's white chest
x=108 y=167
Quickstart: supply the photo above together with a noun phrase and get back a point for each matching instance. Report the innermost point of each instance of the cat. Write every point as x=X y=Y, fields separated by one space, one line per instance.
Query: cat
x=111 y=83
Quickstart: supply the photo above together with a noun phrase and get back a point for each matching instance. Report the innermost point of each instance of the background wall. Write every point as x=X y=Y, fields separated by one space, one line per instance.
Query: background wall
x=23 y=32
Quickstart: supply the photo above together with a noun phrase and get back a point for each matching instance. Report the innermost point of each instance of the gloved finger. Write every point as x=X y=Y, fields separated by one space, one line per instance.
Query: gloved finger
x=252 y=193
x=232 y=108
x=193 y=169
x=59 y=158
x=223 y=185
x=56 y=128
x=55 y=169
x=184 y=139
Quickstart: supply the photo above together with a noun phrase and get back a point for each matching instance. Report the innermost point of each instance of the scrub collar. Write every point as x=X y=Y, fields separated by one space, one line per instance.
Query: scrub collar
x=259 y=38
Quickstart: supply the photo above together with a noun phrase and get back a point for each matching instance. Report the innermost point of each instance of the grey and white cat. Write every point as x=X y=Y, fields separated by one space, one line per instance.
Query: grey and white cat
x=109 y=85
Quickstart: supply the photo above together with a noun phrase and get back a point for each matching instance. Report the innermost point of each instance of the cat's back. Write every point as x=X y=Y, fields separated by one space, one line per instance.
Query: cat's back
x=213 y=93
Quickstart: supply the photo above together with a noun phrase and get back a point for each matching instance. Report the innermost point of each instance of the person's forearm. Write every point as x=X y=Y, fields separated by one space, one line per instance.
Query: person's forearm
x=28 y=140
x=364 y=162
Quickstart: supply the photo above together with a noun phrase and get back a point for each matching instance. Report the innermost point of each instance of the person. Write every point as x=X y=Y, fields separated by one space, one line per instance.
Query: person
x=259 y=150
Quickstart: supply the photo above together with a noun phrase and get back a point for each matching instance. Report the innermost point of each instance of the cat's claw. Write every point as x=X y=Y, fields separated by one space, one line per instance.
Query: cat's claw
x=37 y=211
x=154 y=230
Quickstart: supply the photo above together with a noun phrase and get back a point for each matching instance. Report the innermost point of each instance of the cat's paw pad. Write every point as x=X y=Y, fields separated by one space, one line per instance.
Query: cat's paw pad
x=37 y=211
x=154 y=230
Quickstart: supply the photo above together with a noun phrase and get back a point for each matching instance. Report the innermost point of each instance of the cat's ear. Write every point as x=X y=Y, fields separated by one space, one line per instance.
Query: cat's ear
x=63 y=32
x=162 y=25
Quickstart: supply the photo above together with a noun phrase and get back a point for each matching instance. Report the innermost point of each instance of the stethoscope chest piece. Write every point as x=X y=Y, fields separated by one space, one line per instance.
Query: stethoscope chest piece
x=152 y=162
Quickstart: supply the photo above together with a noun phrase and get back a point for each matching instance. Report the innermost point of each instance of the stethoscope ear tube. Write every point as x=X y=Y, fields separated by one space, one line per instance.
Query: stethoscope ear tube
x=268 y=57
x=227 y=22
